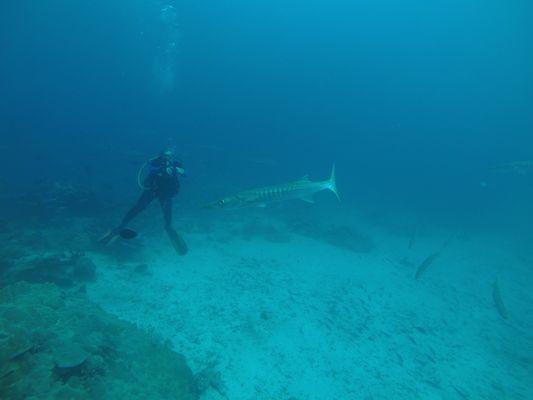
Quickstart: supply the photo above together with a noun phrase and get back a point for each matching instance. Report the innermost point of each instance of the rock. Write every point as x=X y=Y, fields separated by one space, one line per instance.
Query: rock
x=141 y=269
x=70 y=361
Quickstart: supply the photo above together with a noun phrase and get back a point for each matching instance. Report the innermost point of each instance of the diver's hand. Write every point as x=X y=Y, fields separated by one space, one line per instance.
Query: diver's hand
x=181 y=171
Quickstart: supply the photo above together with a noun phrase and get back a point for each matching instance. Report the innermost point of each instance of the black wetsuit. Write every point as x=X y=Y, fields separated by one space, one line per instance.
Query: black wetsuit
x=162 y=183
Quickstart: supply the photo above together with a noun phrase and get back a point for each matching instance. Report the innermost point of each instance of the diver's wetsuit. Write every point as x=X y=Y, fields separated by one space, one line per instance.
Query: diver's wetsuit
x=162 y=183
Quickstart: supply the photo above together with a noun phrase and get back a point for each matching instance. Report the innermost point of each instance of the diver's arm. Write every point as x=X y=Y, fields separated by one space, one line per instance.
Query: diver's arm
x=151 y=178
x=179 y=168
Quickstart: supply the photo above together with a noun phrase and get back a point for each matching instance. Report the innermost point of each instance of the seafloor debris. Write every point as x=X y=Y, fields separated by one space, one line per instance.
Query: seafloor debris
x=55 y=345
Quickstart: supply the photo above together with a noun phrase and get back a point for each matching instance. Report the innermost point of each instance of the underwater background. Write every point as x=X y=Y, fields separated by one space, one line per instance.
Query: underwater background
x=415 y=285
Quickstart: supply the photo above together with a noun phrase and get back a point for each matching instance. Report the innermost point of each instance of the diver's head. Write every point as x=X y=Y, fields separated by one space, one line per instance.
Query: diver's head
x=167 y=153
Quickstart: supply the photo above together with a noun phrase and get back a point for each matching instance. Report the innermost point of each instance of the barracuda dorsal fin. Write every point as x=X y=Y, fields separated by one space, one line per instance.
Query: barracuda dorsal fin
x=304 y=178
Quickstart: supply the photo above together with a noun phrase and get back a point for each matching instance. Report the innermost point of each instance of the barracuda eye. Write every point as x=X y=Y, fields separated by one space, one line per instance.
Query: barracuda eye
x=221 y=203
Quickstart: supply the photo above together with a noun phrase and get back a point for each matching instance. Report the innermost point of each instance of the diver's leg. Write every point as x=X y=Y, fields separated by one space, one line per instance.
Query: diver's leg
x=146 y=198
x=177 y=241
x=166 y=207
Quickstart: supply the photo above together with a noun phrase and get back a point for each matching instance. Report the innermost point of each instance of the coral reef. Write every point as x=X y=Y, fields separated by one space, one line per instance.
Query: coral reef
x=59 y=346
x=65 y=269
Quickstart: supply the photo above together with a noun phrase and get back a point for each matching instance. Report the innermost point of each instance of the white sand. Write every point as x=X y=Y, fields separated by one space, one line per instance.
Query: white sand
x=307 y=320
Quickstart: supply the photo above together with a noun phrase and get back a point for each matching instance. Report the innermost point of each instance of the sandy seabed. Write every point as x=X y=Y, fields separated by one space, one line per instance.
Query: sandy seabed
x=301 y=319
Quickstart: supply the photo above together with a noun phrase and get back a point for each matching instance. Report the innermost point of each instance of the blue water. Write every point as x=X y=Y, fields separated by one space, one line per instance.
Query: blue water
x=413 y=101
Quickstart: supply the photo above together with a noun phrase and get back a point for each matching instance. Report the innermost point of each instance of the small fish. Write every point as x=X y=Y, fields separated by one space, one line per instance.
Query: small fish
x=431 y=258
x=498 y=302
x=520 y=167
x=426 y=263
x=461 y=392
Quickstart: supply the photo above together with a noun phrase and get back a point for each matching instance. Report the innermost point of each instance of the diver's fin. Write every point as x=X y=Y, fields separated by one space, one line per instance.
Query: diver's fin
x=177 y=242
x=308 y=199
x=109 y=237
x=261 y=205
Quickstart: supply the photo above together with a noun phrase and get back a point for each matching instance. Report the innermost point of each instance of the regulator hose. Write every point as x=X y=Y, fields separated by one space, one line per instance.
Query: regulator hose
x=139 y=176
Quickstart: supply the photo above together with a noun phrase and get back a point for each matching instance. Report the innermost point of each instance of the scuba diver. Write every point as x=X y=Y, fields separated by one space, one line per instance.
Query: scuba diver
x=162 y=183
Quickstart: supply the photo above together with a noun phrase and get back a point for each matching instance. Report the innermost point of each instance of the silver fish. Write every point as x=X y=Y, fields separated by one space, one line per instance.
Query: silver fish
x=425 y=264
x=302 y=189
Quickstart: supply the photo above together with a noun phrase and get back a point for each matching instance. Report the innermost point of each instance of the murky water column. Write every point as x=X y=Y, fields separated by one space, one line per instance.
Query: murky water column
x=166 y=61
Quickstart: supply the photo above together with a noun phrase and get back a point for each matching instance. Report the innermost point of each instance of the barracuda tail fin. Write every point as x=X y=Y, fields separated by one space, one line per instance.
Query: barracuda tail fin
x=332 y=183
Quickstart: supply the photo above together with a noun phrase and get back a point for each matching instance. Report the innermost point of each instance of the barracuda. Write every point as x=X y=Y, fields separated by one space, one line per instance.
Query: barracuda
x=302 y=189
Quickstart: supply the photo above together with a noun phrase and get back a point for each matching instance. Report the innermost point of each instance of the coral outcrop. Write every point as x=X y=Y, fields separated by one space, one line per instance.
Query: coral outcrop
x=60 y=346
